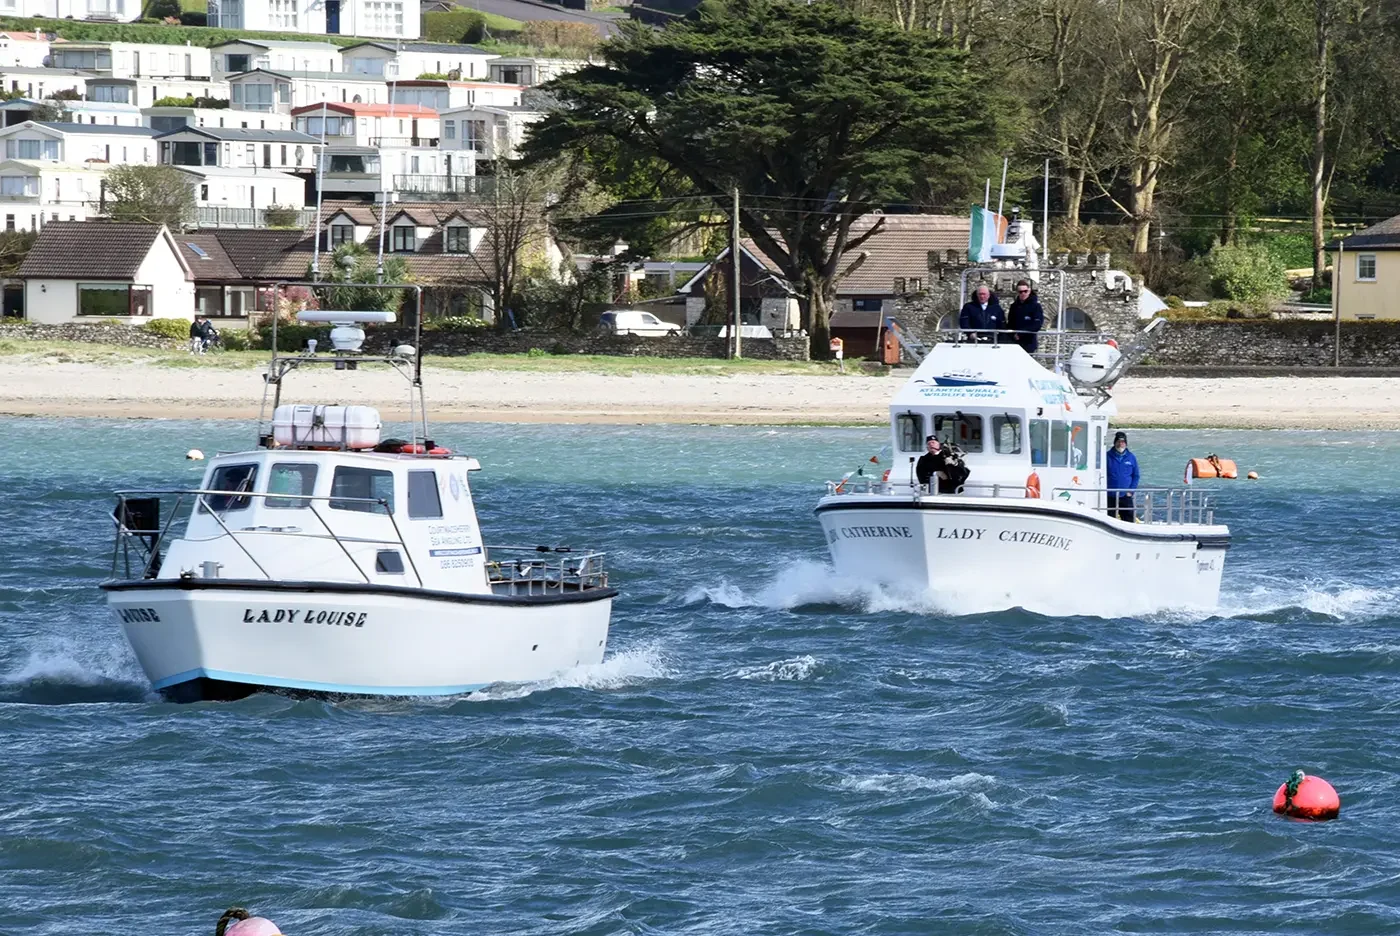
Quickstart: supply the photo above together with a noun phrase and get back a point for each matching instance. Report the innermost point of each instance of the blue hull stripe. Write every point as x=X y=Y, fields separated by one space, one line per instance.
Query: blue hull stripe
x=279 y=683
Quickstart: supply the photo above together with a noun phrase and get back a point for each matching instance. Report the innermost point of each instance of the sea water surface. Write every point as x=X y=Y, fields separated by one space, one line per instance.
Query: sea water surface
x=766 y=749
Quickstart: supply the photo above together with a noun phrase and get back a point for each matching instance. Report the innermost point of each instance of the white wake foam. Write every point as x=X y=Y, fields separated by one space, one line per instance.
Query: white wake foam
x=911 y=783
x=796 y=669
x=620 y=670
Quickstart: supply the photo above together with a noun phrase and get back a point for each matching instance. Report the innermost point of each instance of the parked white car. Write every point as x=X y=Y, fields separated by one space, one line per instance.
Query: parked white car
x=635 y=322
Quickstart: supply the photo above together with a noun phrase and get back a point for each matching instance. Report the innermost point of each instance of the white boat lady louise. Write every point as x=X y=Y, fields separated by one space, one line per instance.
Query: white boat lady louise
x=329 y=560
x=1031 y=525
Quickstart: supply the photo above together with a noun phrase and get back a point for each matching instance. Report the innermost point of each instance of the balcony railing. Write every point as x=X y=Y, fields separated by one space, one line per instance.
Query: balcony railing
x=403 y=141
x=445 y=186
x=218 y=216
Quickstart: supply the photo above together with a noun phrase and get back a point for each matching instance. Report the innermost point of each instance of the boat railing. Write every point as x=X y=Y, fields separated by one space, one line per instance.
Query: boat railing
x=1163 y=506
x=546 y=570
x=1053 y=345
x=140 y=534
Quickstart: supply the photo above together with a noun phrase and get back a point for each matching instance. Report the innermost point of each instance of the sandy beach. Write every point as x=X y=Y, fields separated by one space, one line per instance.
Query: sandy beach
x=30 y=387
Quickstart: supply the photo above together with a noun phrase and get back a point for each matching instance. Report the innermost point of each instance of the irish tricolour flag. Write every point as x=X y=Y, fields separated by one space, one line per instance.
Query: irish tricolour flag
x=988 y=229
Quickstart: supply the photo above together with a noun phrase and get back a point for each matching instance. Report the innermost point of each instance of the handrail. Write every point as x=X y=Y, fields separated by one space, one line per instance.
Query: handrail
x=220 y=520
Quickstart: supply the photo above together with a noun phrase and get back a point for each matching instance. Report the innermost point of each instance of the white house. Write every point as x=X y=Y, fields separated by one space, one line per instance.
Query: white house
x=389 y=19
x=489 y=132
x=134 y=59
x=34 y=193
x=445 y=95
x=237 y=148
x=25 y=49
x=109 y=11
x=40 y=83
x=105 y=271
x=78 y=144
x=165 y=119
x=529 y=70
x=279 y=92
x=244 y=55
x=101 y=112
x=404 y=60
x=144 y=92
x=253 y=189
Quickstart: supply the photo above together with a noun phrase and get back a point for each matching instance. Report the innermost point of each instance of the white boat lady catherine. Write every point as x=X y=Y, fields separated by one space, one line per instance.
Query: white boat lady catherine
x=1031 y=526
x=330 y=560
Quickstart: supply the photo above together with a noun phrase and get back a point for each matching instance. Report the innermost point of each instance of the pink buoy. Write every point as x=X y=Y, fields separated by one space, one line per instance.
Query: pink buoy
x=1304 y=797
x=244 y=925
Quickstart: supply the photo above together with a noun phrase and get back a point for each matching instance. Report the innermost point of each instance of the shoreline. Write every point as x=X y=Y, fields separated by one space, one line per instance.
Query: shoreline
x=140 y=391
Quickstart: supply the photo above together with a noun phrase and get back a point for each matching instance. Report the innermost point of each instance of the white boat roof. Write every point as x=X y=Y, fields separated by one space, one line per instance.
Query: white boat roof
x=972 y=376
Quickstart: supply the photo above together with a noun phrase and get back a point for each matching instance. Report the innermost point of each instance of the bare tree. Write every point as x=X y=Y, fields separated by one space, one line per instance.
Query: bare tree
x=152 y=194
x=516 y=229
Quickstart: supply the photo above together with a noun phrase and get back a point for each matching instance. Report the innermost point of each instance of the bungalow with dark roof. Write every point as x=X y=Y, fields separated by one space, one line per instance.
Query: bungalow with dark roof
x=105 y=270
x=1366 y=273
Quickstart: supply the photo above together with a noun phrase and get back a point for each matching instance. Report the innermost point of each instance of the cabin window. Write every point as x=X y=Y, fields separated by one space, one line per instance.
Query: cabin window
x=1079 y=445
x=295 y=478
x=388 y=561
x=909 y=430
x=1040 y=442
x=229 y=478
x=361 y=487
x=423 y=500
x=1098 y=447
x=962 y=430
x=1059 y=444
x=1006 y=434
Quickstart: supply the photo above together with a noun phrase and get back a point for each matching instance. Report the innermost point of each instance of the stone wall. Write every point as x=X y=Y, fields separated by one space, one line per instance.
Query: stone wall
x=683 y=346
x=131 y=336
x=454 y=343
x=1111 y=302
x=1246 y=343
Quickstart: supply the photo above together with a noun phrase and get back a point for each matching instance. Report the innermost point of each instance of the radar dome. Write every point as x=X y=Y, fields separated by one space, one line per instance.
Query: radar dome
x=1090 y=364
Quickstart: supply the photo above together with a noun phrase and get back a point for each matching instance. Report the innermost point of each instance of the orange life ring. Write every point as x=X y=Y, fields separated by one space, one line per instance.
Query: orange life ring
x=420 y=450
x=1033 y=486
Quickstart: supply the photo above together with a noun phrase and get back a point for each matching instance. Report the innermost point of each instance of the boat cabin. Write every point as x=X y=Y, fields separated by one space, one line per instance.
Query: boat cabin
x=1009 y=417
x=302 y=514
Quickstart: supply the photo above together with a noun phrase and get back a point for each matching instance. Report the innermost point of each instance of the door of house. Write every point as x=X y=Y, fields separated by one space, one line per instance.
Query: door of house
x=333 y=16
x=14 y=301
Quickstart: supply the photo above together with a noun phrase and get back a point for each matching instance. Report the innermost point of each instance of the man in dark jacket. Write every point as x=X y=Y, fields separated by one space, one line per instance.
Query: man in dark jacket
x=1025 y=316
x=1122 y=478
x=983 y=314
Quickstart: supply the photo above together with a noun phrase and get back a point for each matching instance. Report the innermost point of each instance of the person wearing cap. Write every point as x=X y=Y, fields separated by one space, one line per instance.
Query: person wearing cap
x=931 y=465
x=1025 y=316
x=1122 y=478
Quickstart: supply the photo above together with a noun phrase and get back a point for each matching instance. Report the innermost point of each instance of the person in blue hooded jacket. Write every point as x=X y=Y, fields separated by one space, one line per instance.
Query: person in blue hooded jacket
x=1122 y=478
x=982 y=314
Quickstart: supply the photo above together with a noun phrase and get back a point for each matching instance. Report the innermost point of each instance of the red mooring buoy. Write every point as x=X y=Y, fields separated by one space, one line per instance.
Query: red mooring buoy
x=1305 y=797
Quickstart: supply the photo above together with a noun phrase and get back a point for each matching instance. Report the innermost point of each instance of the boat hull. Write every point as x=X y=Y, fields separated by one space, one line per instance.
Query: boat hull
x=986 y=554
x=221 y=639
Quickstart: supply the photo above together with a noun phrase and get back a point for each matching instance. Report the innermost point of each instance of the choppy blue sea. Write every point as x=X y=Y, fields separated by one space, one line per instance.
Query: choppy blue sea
x=766 y=749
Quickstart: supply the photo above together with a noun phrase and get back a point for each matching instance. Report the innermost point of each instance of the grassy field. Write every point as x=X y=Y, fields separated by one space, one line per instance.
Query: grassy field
x=73 y=352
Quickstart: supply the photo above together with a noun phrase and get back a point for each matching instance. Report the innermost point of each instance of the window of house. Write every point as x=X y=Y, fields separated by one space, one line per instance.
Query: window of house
x=909 y=432
x=1366 y=267
x=423 y=500
x=474 y=135
x=449 y=129
x=23 y=149
x=361 y=487
x=113 y=299
x=235 y=63
x=230 y=478
x=19 y=185
x=1006 y=434
x=867 y=305
x=342 y=234
x=203 y=192
x=458 y=239
x=405 y=239
x=962 y=429
x=294 y=478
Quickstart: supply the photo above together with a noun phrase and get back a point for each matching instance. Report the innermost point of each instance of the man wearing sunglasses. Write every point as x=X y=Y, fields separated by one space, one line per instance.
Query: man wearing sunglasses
x=1025 y=316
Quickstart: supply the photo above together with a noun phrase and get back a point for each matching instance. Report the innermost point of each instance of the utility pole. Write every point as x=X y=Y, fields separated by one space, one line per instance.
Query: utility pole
x=734 y=261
